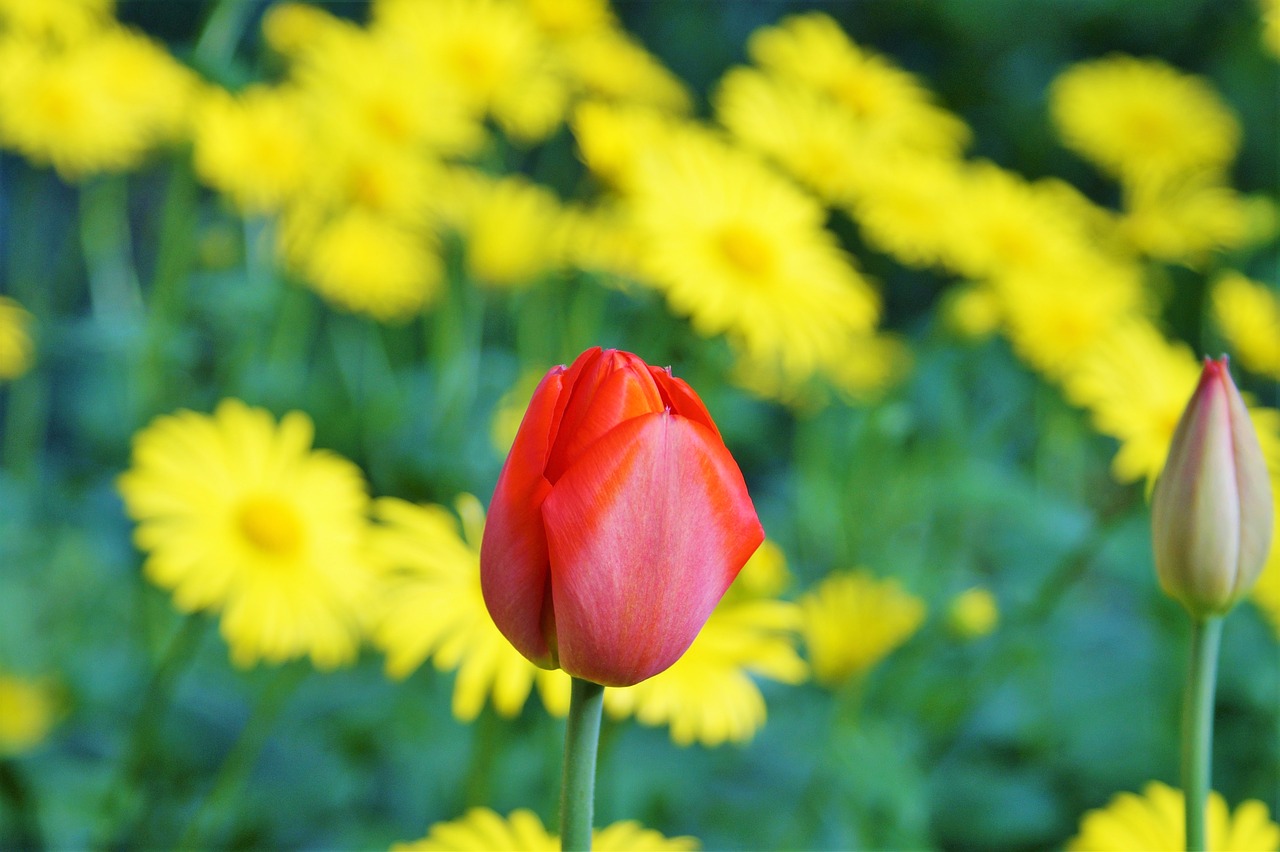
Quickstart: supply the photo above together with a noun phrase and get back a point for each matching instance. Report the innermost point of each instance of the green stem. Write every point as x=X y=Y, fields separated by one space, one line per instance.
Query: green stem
x=1197 y=725
x=577 y=786
x=239 y=762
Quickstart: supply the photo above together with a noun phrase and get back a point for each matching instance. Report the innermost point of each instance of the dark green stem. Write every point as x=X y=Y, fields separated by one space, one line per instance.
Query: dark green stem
x=577 y=786
x=239 y=762
x=1197 y=725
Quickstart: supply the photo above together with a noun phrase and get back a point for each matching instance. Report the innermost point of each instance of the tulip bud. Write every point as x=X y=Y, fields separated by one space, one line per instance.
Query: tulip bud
x=1211 y=512
x=618 y=522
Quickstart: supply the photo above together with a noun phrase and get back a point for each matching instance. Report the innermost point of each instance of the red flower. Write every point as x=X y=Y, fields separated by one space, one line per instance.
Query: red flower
x=618 y=522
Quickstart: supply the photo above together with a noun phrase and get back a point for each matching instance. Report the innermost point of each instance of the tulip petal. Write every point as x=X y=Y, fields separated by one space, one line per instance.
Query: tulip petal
x=681 y=399
x=646 y=530
x=514 y=570
x=615 y=388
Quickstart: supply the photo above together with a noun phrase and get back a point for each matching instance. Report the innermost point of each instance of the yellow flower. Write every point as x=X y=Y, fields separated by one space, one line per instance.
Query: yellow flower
x=851 y=621
x=490 y=52
x=908 y=207
x=861 y=370
x=611 y=65
x=238 y=514
x=1153 y=822
x=973 y=613
x=431 y=607
x=1184 y=218
x=506 y=225
x=1135 y=383
x=364 y=263
x=99 y=106
x=1142 y=119
x=744 y=253
x=57 y=20
x=599 y=238
x=17 y=351
x=1248 y=313
x=708 y=695
x=253 y=147
x=892 y=108
x=795 y=127
x=1271 y=26
x=1266 y=594
x=614 y=139
x=483 y=830
x=1054 y=317
x=28 y=711
x=565 y=19
x=972 y=310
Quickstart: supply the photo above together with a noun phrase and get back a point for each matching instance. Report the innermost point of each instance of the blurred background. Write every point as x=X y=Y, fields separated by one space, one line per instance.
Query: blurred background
x=941 y=271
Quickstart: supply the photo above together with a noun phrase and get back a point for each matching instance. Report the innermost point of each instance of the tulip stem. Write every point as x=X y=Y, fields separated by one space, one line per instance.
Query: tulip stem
x=577 y=787
x=1197 y=725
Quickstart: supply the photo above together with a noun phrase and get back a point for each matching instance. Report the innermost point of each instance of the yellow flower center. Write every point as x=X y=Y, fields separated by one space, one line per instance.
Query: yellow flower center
x=746 y=250
x=271 y=525
x=477 y=64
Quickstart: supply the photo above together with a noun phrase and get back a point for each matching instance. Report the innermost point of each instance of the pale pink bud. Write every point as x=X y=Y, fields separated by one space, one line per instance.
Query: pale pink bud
x=1211 y=512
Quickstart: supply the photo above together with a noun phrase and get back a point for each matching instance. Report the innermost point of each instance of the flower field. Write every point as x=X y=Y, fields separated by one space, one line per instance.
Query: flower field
x=279 y=282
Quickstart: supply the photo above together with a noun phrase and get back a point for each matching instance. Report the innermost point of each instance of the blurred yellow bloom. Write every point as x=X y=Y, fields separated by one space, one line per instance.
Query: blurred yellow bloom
x=598 y=238
x=615 y=139
x=239 y=515
x=506 y=225
x=57 y=20
x=510 y=410
x=1135 y=383
x=891 y=107
x=431 y=607
x=365 y=263
x=1266 y=593
x=570 y=18
x=1153 y=822
x=99 y=106
x=909 y=205
x=972 y=310
x=1184 y=218
x=795 y=127
x=17 y=350
x=1248 y=313
x=851 y=621
x=1055 y=316
x=610 y=65
x=292 y=28
x=1140 y=119
x=973 y=613
x=490 y=52
x=483 y=830
x=744 y=253
x=253 y=147
x=862 y=370
x=28 y=711
x=1271 y=26
x=708 y=695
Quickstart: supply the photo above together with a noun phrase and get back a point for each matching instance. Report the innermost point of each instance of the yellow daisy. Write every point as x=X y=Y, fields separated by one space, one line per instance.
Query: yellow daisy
x=708 y=696
x=1153 y=822
x=17 y=351
x=490 y=52
x=364 y=263
x=851 y=621
x=567 y=19
x=1184 y=218
x=28 y=712
x=483 y=830
x=1248 y=313
x=973 y=613
x=893 y=109
x=743 y=253
x=614 y=139
x=253 y=147
x=239 y=515
x=506 y=224
x=97 y=107
x=972 y=310
x=60 y=21
x=795 y=127
x=431 y=607
x=1271 y=26
x=1135 y=383
x=610 y=65
x=1140 y=119
x=908 y=207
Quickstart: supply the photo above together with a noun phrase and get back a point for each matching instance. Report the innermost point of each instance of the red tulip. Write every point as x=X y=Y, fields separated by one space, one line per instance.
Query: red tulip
x=618 y=522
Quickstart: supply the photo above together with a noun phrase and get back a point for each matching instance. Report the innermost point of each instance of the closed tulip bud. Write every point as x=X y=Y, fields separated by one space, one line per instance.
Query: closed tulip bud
x=1211 y=512
x=618 y=522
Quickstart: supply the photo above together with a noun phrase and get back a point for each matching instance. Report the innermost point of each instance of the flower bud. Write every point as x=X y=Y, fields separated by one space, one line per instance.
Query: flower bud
x=1211 y=512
